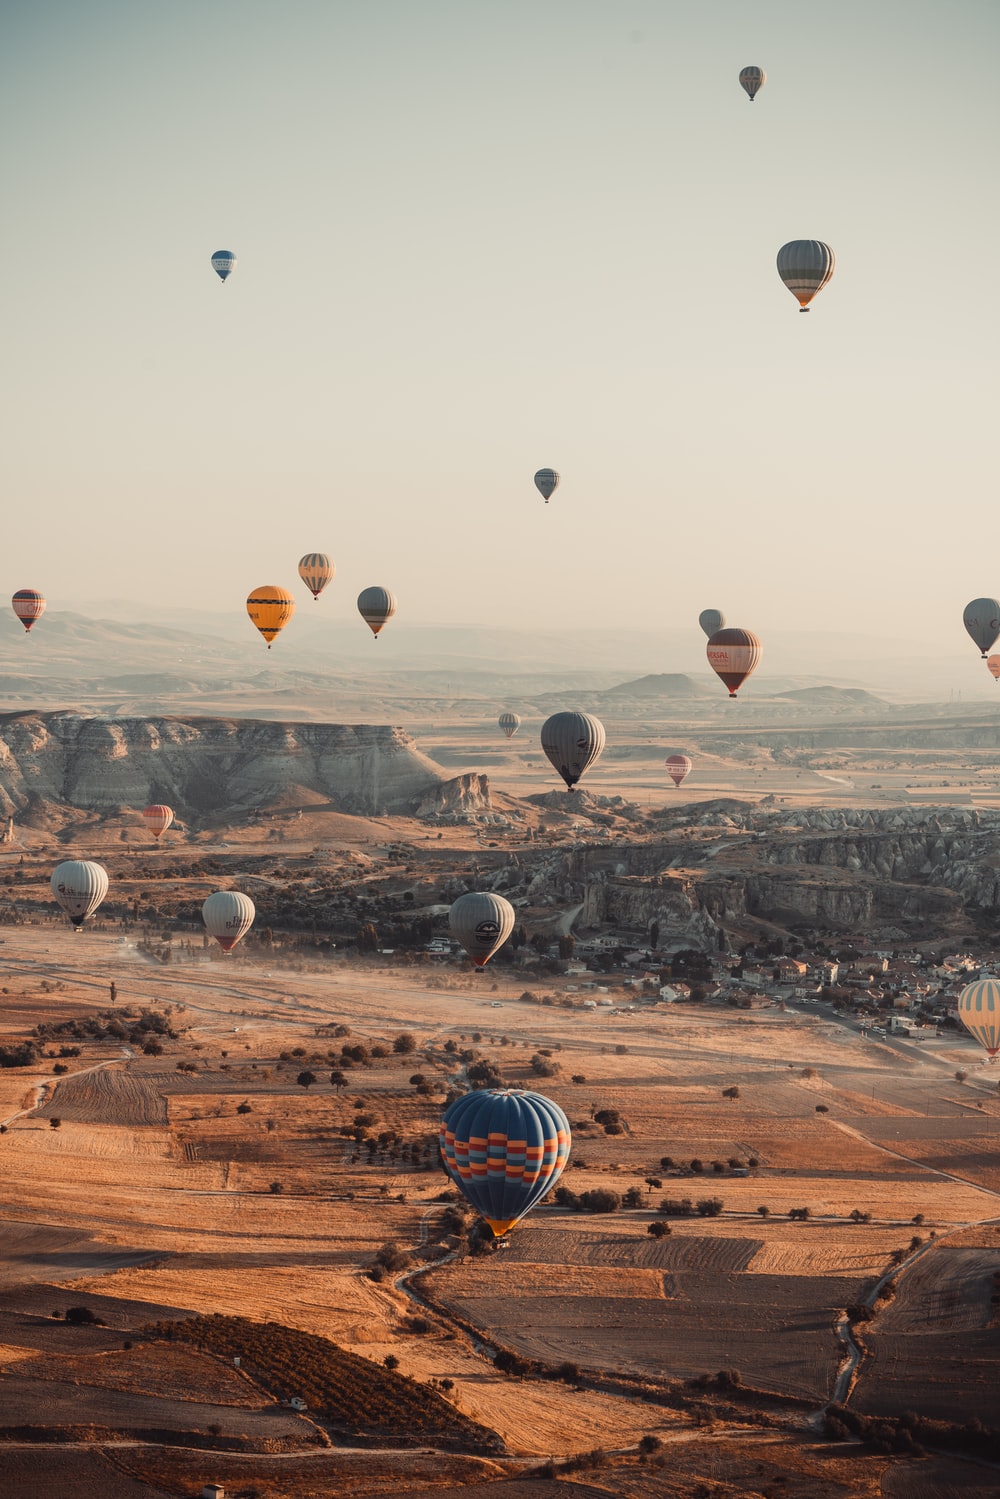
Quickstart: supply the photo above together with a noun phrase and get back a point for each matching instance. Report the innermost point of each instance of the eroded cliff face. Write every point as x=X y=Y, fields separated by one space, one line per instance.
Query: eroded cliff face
x=726 y=865
x=206 y=765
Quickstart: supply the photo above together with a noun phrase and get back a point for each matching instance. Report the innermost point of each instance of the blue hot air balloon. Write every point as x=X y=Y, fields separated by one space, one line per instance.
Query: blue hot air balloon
x=504 y=1150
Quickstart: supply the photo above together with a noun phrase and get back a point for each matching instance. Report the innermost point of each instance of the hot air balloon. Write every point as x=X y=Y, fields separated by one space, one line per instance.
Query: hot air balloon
x=504 y=1150
x=482 y=923
x=79 y=886
x=376 y=605
x=223 y=262
x=733 y=655
x=805 y=266
x=993 y=666
x=158 y=818
x=711 y=620
x=546 y=482
x=678 y=768
x=28 y=604
x=979 y=1012
x=572 y=741
x=510 y=723
x=982 y=620
x=270 y=608
x=316 y=570
x=753 y=80
x=228 y=915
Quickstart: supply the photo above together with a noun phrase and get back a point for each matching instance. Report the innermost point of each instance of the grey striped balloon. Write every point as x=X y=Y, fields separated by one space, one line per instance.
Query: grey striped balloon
x=805 y=266
x=753 y=80
x=572 y=742
x=376 y=605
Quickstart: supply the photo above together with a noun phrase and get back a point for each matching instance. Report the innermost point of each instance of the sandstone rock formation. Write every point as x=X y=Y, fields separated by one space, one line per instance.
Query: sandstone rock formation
x=211 y=766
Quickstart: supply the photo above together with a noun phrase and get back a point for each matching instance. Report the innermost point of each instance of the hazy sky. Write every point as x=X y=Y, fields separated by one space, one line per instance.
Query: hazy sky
x=478 y=238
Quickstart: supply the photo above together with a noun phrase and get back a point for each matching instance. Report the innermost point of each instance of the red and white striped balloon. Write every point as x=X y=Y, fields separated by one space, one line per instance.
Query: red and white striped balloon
x=28 y=604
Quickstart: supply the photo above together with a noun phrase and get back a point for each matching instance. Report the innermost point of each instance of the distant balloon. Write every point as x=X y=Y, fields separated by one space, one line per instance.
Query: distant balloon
x=228 y=915
x=270 y=608
x=316 y=571
x=753 y=80
x=504 y=1150
x=158 y=818
x=28 y=604
x=993 y=666
x=79 y=886
x=805 y=266
x=546 y=482
x=223 y=262
x=982 y=620
x=733 y=655
x=510 y=723
x=376 y=605
x=678 y=768
x=979 y=1012
x=572 y=741
x=482 y=922
x=711 y=620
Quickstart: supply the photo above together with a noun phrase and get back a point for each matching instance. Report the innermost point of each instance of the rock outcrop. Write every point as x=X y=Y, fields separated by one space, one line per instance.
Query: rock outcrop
x=207 y=766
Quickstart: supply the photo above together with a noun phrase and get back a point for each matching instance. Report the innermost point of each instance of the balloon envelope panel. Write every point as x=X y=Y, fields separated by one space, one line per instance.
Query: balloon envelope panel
x=504 y=1150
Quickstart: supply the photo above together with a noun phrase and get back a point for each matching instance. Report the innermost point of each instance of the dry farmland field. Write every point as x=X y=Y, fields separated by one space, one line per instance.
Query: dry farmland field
x=200 y=1176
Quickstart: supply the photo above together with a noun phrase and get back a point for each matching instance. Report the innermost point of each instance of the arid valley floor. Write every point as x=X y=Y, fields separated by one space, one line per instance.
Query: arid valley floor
x=229 y=1188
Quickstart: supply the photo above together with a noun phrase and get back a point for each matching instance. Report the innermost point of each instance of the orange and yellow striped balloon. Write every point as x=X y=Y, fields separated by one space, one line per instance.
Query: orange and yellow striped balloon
x=270 y=608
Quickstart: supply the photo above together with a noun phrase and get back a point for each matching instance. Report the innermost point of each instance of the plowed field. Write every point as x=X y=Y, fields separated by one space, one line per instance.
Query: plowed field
x=933 y=1349
x=110 y=1095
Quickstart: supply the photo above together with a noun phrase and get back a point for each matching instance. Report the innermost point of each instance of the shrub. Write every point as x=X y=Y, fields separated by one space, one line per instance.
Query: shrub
x=697 y=1166
x=709 y=1207
x=674 y=1207
x=659 y=1230
x=82 y=1316
x=731 y=1093
x=306 y=1079
x=404 y=1043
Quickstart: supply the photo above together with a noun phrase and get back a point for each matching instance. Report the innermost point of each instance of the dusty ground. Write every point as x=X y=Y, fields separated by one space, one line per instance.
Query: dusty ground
x=154 y=1194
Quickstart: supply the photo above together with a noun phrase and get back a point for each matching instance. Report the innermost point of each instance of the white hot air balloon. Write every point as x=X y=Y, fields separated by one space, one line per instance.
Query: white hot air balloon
x=79 y=885
x=228 y=915
x=482 y=922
